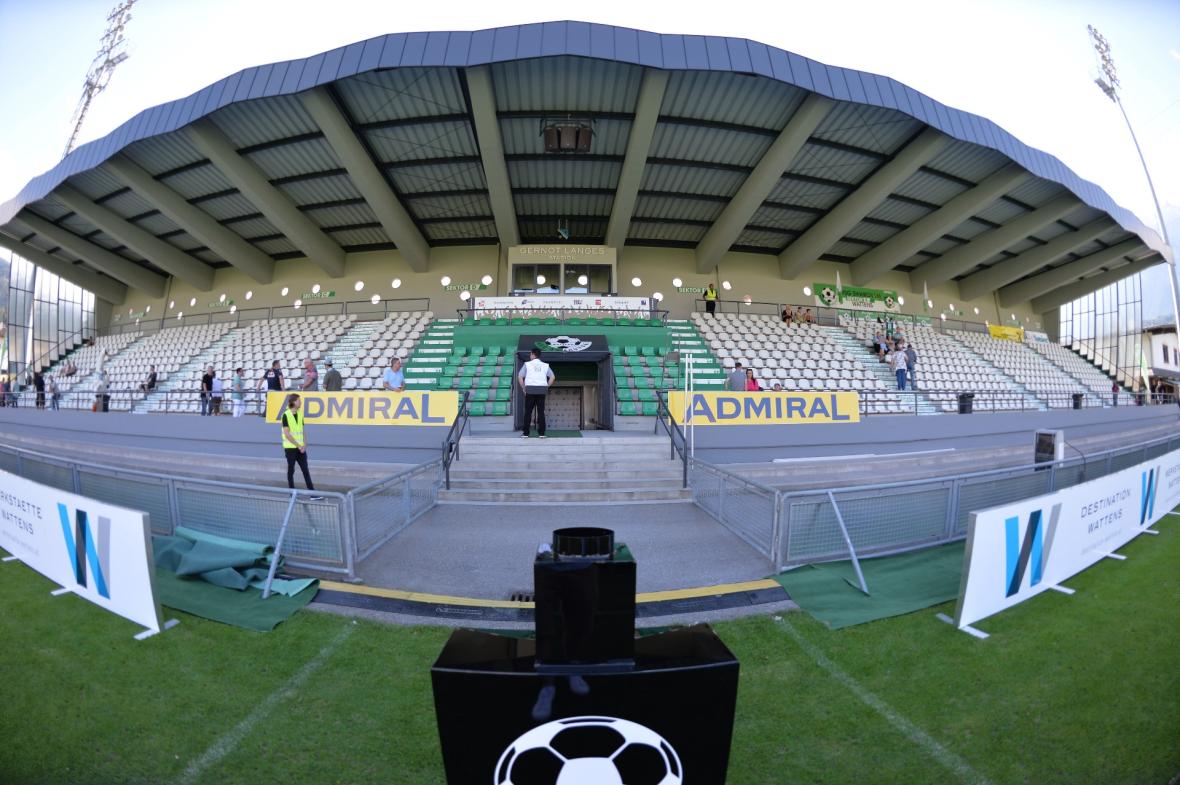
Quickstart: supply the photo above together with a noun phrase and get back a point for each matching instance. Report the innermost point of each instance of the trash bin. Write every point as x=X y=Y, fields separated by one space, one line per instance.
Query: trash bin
x=966 y=403
x=1077 y=400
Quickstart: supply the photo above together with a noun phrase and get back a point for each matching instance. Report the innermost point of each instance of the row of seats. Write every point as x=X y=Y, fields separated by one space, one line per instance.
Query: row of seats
x=1086 y=373
x=1029 y=369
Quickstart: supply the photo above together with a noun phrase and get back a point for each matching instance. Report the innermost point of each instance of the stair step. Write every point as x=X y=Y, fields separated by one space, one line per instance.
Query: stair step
x=542 y=484
x=496 y=472
x=618 y=496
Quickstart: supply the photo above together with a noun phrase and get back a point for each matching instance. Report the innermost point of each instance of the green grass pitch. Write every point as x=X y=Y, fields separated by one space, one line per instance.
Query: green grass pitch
x=1069 y=689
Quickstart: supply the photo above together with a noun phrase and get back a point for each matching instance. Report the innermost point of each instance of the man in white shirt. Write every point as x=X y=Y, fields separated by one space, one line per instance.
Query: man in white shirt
x=535 y=379
x=899 y=363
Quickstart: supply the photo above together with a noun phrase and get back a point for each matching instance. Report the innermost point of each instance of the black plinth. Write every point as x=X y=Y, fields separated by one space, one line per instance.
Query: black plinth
x=668 y=720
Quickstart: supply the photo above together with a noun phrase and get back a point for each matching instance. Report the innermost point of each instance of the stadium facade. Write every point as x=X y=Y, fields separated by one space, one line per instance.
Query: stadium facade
x=410 y=166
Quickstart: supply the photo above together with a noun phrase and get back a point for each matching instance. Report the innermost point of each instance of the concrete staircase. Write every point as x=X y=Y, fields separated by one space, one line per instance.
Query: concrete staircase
x=605 y=469
x=868 y=360
x=348 y=347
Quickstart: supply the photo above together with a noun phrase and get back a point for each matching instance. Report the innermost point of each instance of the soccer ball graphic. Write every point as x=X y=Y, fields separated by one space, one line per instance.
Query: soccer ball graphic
x=828 y=295
x=589 y=751
x=889 y=301
x=565 y=343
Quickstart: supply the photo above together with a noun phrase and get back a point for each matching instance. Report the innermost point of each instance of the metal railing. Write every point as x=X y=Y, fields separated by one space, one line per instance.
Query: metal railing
x=830 y=317
x=450 y=448
x=791 y=528
x=241 y=316
x=538 y=314
x=328 y=535
x=678 y=445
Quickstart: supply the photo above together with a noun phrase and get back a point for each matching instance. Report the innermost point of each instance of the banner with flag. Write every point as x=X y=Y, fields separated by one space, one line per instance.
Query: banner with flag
x=837 y=296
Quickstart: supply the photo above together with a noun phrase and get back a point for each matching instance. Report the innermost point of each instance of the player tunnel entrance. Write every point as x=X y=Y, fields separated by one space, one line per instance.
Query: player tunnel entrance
x=583 y=397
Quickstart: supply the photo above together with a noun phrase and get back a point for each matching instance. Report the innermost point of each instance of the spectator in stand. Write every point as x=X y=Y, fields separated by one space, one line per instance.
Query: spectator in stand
x=911 y=356
x=102 y=360
x=332 y=380
x=807 y=316
x=216 y=391
x=788 y=314
x=393 y=379
x=737 y=379
x=206 y=390
x=1114 y=394
x=899 y=365
x=150 y=383
x=54 y=394
x=102 y=399
x=711 y=299
x=777 y=387
x=311 y=377
x=752 y=383
x=239 y=392
x=39 y=386
x=882 y=347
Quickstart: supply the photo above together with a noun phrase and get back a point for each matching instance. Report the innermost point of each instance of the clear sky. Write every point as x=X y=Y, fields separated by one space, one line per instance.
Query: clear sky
x=1025 y=64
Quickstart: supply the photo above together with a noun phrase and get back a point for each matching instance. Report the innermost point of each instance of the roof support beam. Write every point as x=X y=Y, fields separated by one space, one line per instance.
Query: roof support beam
x=901 y=246
x=1044 y=283
x=759 y=184
x=963 y=259
x=1047 y=303
x=270 y=201
x=96 y=256
x=104 y=288
x=1005 y=272
x=824 y=233
x=395 y=219
x=164 y=255
x=491 y=152
x=643 y=127
x=223 y=242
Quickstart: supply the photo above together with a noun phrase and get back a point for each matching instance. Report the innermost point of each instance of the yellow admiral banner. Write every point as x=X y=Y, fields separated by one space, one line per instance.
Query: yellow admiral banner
x=1006 y=333
x=765 y=408
x=376 y=407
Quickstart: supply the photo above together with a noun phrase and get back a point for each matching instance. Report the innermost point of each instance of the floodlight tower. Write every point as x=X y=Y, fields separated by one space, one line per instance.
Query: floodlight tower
x=111 y=52
x=1108 y=82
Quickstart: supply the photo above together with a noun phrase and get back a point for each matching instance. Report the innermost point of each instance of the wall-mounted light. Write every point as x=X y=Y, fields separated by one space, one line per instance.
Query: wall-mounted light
x=636 y=281
x=284 y=291
x=171 y=304
x=929 y=303
x=583 y=280
x=358 y=285
x=192 y=302
x=540 y=280
x=977 y=310
x=397 y=282
x=464 y=295
x=221 y=299
x=942 y=316
x=900 y=300
x=148 y=309
x=233 y=309
x=298 y=303
x=315 y=289
x=677 y=282
x=250 y=295
x=445 y=280
x=486 y=280
x=725 y=285
x=658 y=297
x=179 y=316
x=375 y=299
x=806 y=291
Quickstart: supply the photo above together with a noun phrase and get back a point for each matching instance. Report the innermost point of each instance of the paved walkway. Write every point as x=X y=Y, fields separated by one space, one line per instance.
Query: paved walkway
x=487 y=552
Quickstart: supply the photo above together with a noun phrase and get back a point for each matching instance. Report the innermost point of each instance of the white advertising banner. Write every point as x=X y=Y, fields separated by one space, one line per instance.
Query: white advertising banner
x=98 y=551
x=559 y=305
x=1019 y=550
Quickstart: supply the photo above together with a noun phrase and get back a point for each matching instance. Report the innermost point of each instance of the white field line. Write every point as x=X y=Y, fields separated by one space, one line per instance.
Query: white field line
x=226 y=744
x=948 y=759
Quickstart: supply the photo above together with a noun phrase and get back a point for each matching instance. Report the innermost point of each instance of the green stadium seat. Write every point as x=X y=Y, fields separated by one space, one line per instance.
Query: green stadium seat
x=476 y=351
x=500 y=322
x=650 y=409
x=592 y=321
x=468 y=322
x=629 y=409
x=552 y=320
x=642 y=322
x=607 y=322
x=498 y=409
x=485 y=321
x=649 y=351
x=623 y=322
x=516 y=321
x=483 y=382
x=643 y=382
x=533 y=320
x=647 y=395
x=502 y=393
x=446 y=382
x=495 y=351
x=575 y=322
x=479 y=395
x=477 y=410
x=459 y=351
x=630 y=351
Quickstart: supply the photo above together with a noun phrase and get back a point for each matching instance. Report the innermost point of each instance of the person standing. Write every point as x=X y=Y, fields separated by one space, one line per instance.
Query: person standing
x=295 y=444
x=206 y=390
x=535 y=377
x=393 y=379
x=911 y=356
x=54 y=394
x=102 y=400
x=239 y=392
x=1114 y=394
x=332 y=380
x=736 y=382
x=311 y=377
x=711 y=299
x=898 y=364
x=752 y=383
x=273 y=378
x=39 y=386
x=216 y=391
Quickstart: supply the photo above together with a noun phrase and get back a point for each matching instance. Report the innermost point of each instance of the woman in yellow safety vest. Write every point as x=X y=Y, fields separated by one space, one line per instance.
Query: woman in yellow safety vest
x=711 y=300
x=295 y=445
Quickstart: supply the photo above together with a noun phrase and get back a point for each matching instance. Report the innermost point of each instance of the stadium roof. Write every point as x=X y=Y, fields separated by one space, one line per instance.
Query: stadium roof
x=422 y=140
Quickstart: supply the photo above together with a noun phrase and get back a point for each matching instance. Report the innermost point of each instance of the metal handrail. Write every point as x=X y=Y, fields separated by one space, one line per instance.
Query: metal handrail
x=673 y=430
x=564 y=314
x=450 y=447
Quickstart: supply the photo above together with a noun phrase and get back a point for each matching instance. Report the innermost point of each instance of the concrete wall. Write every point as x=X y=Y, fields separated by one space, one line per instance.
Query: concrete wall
x=754 y=274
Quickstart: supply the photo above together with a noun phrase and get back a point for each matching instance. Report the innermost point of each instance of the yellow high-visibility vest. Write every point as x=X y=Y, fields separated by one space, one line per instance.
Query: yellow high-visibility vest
x=710 y=293
x=295 y=426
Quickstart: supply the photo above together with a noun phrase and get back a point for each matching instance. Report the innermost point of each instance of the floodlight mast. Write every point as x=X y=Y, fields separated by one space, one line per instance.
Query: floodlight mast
x=110 y=54
x=1110 y=84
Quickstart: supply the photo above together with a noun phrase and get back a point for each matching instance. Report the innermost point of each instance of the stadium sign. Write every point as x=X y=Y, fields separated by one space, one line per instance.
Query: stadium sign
x=465 y=287
x=557 y=254
x=691 y=289
x=1016 y=551
x=433 y=408
x=322 y=294
x=764 y=408
x=829 y=296
x=1006 y=333
x=95 y=550
x=559 y=305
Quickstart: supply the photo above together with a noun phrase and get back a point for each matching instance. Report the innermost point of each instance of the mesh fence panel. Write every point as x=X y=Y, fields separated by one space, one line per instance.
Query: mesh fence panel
x=876 y=521
x=383 y=511
x=744 y=509
x=1125 y=461
x=9 y=462
x=987 y=492
x=60 y=477
x=135 y=493
x=315 y=531
x=1069 y=476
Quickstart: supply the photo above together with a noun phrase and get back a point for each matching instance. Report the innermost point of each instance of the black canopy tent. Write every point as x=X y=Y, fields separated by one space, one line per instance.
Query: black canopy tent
x=557 y=350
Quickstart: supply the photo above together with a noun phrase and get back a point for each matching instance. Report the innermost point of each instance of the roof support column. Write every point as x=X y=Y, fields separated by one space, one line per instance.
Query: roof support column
x=824 y=233
x=98 y=257
x=104 y=288
x=766 y=175
x=392 y=214
x=901 y=246
x=1023 y=291
x=643 y=127
x=1058 y=297
x=1009 y=270
x=491 y=151
x=279 y=209
x=223 y=242
x=164 y=255
x=960 y=260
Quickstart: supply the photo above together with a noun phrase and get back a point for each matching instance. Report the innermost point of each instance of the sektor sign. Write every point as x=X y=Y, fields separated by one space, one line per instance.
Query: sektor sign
x=435 y=408
x=764 y=408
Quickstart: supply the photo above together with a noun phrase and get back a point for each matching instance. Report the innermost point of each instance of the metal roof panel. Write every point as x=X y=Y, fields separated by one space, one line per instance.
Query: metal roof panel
x=563 y=173
x=460 y=230
x=199 y=181
x=898 y=211
x=321 y=189
x=867 y=127
x=413 y=142
x=929 y=188
x=522 y=135
x=366 y=236
x=566 y=84
x=306 y=157
x=401 y=93
x=161 y=153
x=691 y=180
x=459 y=205
x=731 y=97
x=264 y=120
x=563 y=204
x=680 y=209
x=439 y=177
x=703 y=143
x=341 y=215
x=830 y=164
x=679 y=233
x=229 y=206
x=814 y=195
x=969 y=161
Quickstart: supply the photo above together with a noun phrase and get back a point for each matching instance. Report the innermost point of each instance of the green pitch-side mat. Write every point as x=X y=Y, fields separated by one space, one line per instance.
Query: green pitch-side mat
x=897 y=585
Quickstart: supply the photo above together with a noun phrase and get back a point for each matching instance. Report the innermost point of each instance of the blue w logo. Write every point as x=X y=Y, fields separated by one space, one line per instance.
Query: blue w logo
x=1031 y=550
x=1147 y=496
x=84 y=549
